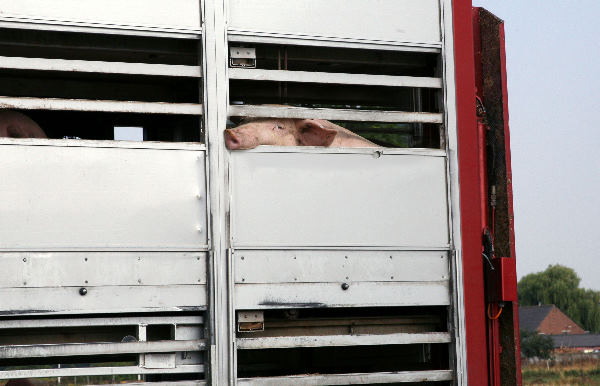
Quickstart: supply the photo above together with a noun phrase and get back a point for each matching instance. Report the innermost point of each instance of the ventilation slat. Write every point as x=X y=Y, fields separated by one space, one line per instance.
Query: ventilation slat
x=334 y=78
x=333 y=114
x=112 y=106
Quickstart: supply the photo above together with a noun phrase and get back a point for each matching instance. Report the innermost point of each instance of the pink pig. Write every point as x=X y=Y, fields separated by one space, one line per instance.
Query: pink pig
x=16 y=125
x=291 y=132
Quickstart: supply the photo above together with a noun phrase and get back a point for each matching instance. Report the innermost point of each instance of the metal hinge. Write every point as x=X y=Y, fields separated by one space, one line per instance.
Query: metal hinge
x=242 y=57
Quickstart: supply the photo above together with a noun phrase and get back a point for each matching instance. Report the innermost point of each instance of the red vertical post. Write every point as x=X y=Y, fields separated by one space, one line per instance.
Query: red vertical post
x=470 y=196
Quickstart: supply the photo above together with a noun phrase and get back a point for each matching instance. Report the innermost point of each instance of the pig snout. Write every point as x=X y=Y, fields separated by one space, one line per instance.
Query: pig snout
x=239 y=140
x=231 y=140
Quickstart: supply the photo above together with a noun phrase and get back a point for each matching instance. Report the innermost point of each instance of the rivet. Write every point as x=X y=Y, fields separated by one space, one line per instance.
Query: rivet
x=24 y=259
x=242 y=258
x=83 y=291
x=345 y=257
x=85 y=259
x=86 y=282
x=345 y=286
x=392 y=278
x=24 y=283
x=243 y=279
x=140 y=281
x=391 y=257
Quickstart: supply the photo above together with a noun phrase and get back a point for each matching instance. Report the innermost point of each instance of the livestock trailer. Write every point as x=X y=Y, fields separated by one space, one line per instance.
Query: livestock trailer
x=134 y=246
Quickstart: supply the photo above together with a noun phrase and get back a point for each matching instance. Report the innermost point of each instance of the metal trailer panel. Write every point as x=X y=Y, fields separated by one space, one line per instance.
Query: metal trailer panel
x=54 y=269
x=94 y=66
x=102 y=299
x=100 y=105
x=75 y=349
x=358 y=294
x=343 y=340
x=306 y=266
x=181 y=16
x=323 y=199
x=352 y=379
x=329 y=78
x=95 y=322
x=91 y=371
x=113 y=198
x=333 y=114
x=382 y=20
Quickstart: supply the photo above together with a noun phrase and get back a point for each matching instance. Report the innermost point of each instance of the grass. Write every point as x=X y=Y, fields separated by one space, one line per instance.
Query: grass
x=584 y=373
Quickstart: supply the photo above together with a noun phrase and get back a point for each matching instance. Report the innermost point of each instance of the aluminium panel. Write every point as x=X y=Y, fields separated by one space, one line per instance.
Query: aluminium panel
x=173 y=16
x=104 y=299
x=337 y=199
x=306 y=266
x=416 y=21
x=66 y=198
x=53 y=269
x=395 y=377
x=357 y=294
x=342 y=340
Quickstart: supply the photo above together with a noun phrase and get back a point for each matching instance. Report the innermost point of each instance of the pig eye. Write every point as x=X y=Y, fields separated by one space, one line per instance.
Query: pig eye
x=279 y=126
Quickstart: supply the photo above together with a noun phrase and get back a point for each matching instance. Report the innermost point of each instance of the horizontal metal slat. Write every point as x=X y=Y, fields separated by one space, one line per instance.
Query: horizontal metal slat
x=100 y=105
x=354 y=378
x=342 y=340
x=70 y=349
x=244 y=36
x=102 y=299
x=361 y=294
x=93 y=322
x=334 y=78
x=334 y=114
x=43 y=64
x=117 y=370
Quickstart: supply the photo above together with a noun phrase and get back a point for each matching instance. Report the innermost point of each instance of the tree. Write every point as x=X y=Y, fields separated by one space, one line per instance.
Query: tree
x=535 y=345
x=559 y=285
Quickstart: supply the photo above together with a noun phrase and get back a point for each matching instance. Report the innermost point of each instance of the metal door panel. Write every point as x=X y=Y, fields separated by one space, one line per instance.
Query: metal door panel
x=338 y=199
x=316 y=295
x=103 y=299
x=415 y=21
x=65 y=198
x=176 y=15
x=52 y=269
x=275 y=266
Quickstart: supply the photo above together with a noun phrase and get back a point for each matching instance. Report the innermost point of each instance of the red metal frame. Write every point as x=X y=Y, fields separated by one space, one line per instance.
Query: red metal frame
x=470 y=195
x=482 y=359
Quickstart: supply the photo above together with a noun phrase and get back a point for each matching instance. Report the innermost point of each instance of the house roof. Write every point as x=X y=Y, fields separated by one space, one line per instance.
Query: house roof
x=530 y=317
x=576 y=340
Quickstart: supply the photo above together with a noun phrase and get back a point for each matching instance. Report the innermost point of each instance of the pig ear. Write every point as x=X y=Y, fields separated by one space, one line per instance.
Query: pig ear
x=312 y=133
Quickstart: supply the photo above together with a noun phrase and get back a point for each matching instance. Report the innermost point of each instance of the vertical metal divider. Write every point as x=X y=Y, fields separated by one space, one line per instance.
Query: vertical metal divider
x=214 y=41
x=449 y=89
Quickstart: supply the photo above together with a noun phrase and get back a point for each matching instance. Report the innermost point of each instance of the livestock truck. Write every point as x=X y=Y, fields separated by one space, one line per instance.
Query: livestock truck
x=134 y=246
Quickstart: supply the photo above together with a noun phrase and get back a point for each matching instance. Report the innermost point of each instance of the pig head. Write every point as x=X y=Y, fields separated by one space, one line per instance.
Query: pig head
x=16 y=125
x=291 y=132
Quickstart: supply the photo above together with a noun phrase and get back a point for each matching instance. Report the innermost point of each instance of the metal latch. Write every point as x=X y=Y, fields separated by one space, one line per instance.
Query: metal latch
x=249 y=321
x=242 y=57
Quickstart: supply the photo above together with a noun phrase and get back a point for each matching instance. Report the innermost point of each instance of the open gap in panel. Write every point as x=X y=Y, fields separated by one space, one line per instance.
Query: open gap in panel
x=116 y=126
x=340 y=360
x=369 y=83
x=90 y=86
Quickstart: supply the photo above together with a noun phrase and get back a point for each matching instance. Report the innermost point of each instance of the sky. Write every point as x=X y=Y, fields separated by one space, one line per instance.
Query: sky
x=553 y=65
